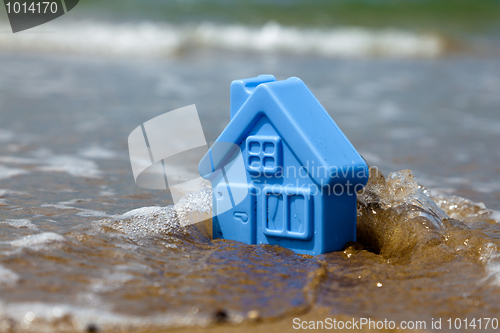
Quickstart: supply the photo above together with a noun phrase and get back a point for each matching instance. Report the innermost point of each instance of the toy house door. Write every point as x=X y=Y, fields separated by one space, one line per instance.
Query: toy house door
x=235 y=208
x=287 y=212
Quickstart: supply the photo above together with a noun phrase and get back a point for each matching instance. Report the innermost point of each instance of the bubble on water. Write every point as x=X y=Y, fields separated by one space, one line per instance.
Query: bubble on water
x=461 y=208
x=146 y=221
x=195 y=207
x=171 y=220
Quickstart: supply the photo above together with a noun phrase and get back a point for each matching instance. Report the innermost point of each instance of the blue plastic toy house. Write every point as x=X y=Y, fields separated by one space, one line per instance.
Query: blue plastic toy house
x=282 y=171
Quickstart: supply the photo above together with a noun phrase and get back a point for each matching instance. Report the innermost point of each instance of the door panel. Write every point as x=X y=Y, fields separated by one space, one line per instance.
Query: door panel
x=238 y=223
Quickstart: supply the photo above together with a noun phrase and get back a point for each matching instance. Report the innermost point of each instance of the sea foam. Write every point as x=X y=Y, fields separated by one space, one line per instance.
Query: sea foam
x=20 y=223
x=6 y=172
x=37 y=241
x=148 y=39
x=7 y=276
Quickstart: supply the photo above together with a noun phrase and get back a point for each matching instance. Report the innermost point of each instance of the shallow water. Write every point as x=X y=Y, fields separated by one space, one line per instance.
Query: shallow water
x=83 y=247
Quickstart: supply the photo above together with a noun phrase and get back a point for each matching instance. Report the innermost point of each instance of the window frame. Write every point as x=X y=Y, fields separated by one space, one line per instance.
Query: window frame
x=261 y=154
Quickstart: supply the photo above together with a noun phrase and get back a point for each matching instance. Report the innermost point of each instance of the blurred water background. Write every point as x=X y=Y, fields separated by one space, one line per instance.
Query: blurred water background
x=414 y=85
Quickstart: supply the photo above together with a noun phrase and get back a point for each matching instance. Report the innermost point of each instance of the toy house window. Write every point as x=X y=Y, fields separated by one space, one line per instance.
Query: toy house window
x=263 y=154
x=287 y=212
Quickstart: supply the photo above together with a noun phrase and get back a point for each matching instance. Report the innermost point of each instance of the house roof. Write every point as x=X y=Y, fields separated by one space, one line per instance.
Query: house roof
x=302 y=123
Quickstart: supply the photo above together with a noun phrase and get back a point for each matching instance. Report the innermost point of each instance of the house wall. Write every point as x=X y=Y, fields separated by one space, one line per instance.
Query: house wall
x=301 y=217
x=294 y=182
x=339 y=225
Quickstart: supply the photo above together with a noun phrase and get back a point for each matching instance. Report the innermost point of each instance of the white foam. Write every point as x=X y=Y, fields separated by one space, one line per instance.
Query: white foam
x=457 y=207
x=17 y=160
x=46 y=317
x=111 y=281
x=56 y=206
x=147 y=221
x=107 y=193
x=8 y=193
x=491 y=259
x=149 y=39
x=495 y=215
x=38 y=240
x=21 y=223
x=7 y=276
x=97 y=152
x=194 y=207
x=6 y=172
x=72 y=165
x=82 y=211
x=171 y=220
x=91 y=213
x=493 y=270
x=340 y=42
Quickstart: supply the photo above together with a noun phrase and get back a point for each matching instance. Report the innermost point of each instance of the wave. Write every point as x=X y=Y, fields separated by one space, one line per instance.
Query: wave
x=148 y=39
